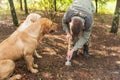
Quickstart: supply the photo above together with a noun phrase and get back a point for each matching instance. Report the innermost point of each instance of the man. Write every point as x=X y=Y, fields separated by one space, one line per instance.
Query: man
x=83 y=11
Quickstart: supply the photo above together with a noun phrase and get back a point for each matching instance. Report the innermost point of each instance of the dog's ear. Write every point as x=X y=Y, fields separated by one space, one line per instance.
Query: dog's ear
x=54 y=24
x=48 y=25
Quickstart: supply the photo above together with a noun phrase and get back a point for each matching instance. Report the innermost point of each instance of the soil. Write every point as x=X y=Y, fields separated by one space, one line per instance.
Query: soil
x=103 y=63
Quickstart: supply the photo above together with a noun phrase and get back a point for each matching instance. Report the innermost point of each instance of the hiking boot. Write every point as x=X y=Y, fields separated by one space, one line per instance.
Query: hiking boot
x=86 y=51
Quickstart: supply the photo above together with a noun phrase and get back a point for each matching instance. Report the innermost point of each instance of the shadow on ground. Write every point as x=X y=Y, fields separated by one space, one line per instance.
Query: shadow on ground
x=103 y=64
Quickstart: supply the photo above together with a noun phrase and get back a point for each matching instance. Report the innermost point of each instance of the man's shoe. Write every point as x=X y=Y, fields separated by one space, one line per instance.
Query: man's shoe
x=86 y=54
x=86 y=51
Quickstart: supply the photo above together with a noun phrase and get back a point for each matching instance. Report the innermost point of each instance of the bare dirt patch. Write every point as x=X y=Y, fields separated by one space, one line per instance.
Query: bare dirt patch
x=103 y=64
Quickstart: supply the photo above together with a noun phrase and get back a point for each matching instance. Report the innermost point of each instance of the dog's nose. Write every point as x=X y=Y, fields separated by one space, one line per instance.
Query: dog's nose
x=52 y=31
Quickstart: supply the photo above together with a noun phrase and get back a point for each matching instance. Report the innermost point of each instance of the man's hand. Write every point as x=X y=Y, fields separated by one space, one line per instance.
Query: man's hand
x=68 y=36
x=69 y=54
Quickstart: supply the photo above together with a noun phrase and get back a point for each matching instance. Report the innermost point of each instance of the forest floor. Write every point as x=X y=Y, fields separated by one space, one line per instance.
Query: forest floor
x=103 y=64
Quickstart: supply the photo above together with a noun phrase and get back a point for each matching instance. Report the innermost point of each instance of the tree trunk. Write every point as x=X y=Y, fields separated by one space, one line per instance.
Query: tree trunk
x=55 y=7
x=13 y=13
x=21 y=7
x=115 y=22
x=25 y=6
x=96 y=3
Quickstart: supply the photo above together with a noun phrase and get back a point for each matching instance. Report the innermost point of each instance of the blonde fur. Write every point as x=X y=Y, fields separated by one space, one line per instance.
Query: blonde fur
x=23 y=44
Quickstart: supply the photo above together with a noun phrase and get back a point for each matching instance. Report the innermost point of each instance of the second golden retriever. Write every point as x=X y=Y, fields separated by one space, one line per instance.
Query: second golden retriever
x=23 y=44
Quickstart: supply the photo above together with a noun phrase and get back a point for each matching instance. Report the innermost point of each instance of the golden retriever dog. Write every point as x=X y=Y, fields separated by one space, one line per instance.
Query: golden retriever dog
x=23 y=44
x=31 y=18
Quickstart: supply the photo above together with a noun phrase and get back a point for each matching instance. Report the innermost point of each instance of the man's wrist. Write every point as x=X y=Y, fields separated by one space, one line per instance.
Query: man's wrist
x=67 y=33
x=73 y=49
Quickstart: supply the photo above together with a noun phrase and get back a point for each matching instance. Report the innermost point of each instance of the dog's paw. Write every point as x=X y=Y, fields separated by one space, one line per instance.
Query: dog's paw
x=16 y=77
x=34 y=70
x=35 y=66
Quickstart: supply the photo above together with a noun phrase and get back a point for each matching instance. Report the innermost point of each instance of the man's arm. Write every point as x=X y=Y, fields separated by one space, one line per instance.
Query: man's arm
x=83 y=39
x=64 y=24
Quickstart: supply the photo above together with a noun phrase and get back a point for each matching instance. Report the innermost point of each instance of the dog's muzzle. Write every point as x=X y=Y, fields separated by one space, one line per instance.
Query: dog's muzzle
x=52 y=31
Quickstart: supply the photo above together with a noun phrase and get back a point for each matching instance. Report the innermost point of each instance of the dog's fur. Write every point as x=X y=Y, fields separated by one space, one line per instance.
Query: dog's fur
x=23 y=44
x=31 y=18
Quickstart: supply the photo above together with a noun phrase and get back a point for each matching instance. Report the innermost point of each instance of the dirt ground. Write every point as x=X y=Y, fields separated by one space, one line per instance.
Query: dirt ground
x=103 y=64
